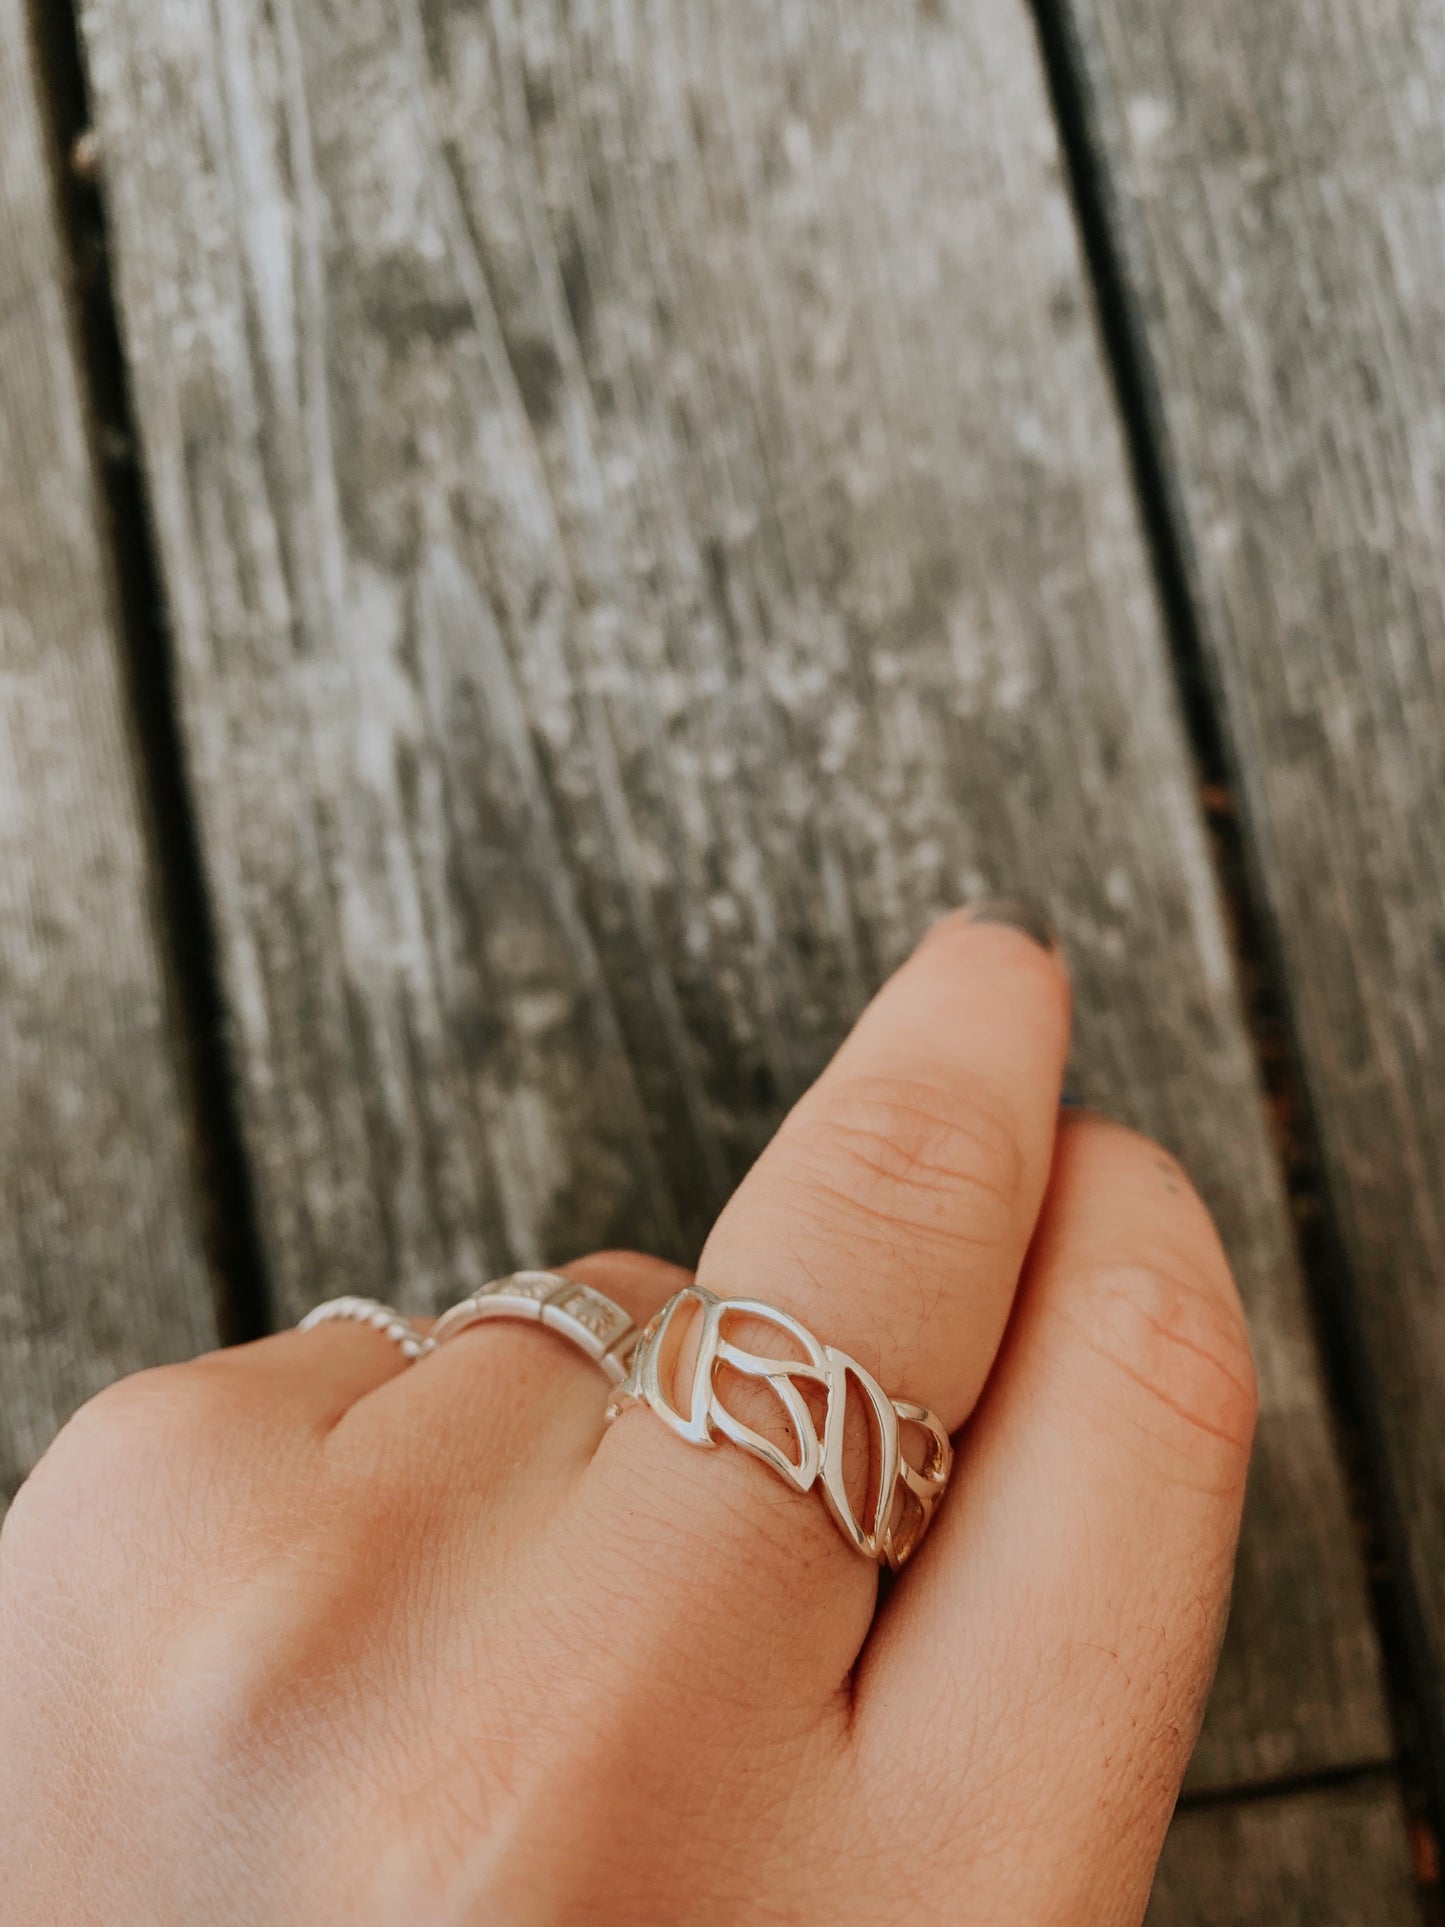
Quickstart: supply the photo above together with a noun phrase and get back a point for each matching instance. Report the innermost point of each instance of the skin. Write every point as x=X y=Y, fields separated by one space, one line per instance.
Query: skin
x=298 y=1634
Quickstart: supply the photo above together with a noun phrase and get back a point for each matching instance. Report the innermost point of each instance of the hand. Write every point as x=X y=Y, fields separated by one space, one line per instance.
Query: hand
x=300 y=1634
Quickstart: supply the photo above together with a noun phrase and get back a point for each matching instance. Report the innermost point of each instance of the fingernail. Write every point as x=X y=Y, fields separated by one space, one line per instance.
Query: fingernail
x=1015 y=915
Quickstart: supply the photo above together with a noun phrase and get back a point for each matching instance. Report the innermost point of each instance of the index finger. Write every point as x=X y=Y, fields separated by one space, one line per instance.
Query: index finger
x=1074 y=1596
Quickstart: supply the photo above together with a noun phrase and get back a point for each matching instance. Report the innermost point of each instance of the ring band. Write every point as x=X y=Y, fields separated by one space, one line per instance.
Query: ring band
x=381 y=1318
x=593 y=1322
x=906 y=1496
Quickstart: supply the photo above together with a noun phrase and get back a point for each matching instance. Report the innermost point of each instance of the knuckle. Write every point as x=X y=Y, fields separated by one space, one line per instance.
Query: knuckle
x=911 y=1153
x=150 y=1413
x=1177 y=1334
x=628 y=1272
x=123 y=1443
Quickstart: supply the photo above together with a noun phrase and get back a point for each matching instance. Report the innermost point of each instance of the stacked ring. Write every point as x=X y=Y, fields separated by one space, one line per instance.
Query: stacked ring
x=587 y=1318
x=591 y=1321
x=642 y=1365
x=381 y=1318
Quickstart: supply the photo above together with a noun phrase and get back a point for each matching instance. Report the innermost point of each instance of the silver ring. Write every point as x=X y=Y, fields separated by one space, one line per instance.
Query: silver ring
x=906 y=1496
x=381 y=1318
x=592 y=1321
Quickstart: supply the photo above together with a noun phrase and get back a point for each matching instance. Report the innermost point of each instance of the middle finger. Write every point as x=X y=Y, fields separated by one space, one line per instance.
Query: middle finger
x=890 y=1215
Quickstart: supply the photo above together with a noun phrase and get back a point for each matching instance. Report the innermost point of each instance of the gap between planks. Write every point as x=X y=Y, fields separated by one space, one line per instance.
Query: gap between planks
x=186 y=932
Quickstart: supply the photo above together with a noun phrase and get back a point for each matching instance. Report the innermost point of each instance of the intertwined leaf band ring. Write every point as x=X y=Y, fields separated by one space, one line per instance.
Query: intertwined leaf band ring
x=899 y=1497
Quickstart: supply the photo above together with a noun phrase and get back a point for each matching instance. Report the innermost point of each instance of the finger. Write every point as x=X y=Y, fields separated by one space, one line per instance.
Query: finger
x=261 y=1411
x=316 y=1375
x=1072 y=1595
x=506 y=1406
x=890 y=1215
x=892 y=1211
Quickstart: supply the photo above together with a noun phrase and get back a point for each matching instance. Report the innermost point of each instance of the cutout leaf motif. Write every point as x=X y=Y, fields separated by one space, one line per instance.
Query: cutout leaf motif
x=904 y=1495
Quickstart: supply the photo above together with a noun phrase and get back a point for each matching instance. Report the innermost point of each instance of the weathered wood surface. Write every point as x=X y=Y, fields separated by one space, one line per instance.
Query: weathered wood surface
x=100 y=1258
x=1326 y=1857
x=645 y=527
x=1279 y=177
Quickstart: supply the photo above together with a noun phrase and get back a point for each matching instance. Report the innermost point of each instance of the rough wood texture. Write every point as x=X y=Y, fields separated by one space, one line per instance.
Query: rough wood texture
x=100 y=1261
x=1279 y=178
x=1329 y=1857
x=645 y=528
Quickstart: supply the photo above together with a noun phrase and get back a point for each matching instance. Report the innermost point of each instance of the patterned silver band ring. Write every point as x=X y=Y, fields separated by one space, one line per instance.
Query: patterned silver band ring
x=690 y=1403
x=589 y=1319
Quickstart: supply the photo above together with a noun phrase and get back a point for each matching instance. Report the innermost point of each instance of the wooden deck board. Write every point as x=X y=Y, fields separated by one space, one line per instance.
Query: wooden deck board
x=100 y=1258
x=1278 y=193
x=1324 y=1857
x=645 y=527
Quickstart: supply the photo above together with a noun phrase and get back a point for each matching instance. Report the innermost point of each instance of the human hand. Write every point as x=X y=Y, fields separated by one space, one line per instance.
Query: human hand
x=300 y=1634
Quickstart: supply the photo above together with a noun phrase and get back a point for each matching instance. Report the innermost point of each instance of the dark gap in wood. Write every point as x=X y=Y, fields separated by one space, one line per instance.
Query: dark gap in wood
x=1258 y=955
x=188 y=946
x=1420 y=1841
x=1372 y=1773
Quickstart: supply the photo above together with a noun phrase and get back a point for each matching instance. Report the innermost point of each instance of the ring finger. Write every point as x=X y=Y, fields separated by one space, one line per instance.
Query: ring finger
x=506 y=1408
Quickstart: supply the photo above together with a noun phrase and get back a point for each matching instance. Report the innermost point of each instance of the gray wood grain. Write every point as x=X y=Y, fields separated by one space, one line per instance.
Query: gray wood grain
x=646 y=527
x=1326 y=1857
x=1279 y=197
x=100 y=1258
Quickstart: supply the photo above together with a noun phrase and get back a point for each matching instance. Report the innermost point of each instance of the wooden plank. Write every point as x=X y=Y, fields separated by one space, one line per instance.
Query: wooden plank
x=645 y=528
x=1326 y=1857
x=100 y=1256
x=1279 y=199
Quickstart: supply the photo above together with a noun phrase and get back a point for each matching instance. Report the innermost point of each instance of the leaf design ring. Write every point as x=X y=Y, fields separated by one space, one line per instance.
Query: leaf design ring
x=905 y=1494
